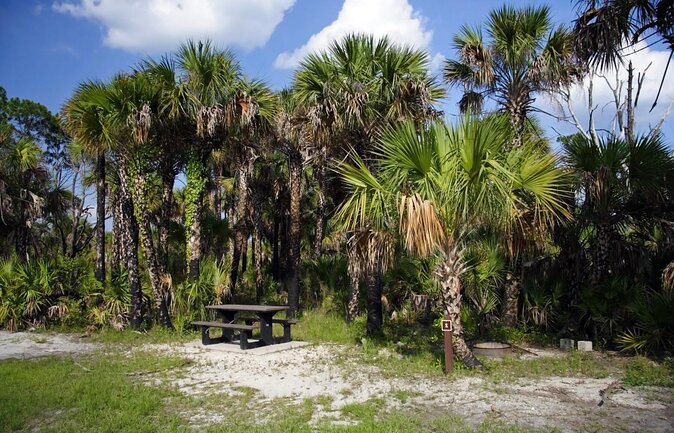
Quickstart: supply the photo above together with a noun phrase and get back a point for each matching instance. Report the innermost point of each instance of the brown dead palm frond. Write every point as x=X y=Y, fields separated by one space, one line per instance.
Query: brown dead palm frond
x=420 y=225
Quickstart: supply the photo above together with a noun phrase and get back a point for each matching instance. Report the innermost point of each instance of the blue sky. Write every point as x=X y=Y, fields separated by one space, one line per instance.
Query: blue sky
x=48 y=47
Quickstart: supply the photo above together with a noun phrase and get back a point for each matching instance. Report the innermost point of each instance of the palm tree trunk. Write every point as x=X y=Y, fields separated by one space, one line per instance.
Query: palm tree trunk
x=117 y=248
x=320 y=210
x=257 y=253
x=100 y=218
x=449 y=275
x=275 y=271
x=129 y=245
x=374 y=307
x=165 y=220
x=353 y=269
x=194 y=209
x=512 y=292
x=158 y=289
x=240 y=225
x=601 y=253
x=295 y=186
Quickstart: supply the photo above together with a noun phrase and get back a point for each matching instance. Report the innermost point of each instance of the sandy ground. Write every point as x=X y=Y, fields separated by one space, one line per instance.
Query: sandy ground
x=33 y=345
x=569 y=404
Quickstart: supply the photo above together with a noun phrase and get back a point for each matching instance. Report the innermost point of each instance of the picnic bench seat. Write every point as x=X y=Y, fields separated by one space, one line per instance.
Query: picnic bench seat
x=285 y=322
x=244 y=332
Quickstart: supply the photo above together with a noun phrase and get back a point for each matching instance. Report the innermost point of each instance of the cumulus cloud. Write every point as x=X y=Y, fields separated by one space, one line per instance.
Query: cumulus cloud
x=152 y=26
x=394 y=18
x=603 y=97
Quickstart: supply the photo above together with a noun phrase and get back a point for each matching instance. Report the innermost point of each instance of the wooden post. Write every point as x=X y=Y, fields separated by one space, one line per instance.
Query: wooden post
x=449 y=350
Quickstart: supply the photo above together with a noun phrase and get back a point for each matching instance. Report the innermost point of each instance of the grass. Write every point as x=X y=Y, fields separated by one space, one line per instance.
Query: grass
x=641 y=371
x=89 y=394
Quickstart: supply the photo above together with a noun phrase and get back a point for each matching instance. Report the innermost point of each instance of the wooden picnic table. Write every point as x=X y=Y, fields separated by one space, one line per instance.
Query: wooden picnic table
x=264 y=314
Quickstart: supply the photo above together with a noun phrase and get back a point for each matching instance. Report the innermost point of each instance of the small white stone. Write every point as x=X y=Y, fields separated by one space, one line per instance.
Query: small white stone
x=585 y=346
x=566 y=343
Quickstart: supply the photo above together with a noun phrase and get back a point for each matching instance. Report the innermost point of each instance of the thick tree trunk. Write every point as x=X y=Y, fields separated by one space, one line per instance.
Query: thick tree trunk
x=165 y=220
x=194 y=241
x=117 y=243
x=100 y=218
x=449 y=275
x=511 y=296
x=295 y=186
x=320 y=211
x=158 y=288
x=257 y=253
x=353 y=269
x=129 y=246
x=194 y=203
x=275 y=272
x=374 y=307
x=601 y=254
x=240 y=226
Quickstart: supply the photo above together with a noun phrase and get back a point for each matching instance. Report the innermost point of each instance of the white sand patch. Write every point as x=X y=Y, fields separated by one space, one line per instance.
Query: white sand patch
x=566 y=403
x=32 y=345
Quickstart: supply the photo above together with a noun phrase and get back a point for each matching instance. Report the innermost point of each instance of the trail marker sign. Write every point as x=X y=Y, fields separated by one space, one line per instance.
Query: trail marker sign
x=446 y=325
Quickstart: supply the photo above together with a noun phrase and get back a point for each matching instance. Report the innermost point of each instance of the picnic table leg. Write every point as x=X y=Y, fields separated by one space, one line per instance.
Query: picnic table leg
x=286 y=332
x=266 y=334
x=227 y=317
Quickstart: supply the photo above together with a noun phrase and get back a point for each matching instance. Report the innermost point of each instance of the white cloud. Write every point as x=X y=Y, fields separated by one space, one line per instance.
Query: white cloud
x=152 y=26
x=394 y=18
x=603 y=98
x=436 y=64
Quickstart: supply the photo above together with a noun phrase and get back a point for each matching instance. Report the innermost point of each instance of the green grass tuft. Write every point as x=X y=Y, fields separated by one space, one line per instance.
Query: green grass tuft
x=641 y=371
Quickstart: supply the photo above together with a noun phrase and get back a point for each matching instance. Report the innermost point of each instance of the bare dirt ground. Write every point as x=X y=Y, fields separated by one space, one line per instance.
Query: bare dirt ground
x=33 y=345
x=569 y=404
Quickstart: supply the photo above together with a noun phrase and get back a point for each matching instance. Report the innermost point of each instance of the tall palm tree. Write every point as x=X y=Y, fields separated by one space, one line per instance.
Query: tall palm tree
x=210 y=76
x=88 y=117
x=172 y=135
x=133 y=103
x=433 y=185
x=82 y=118
x=292 y=138
x=524 y=56
x=255 y=112
x=351 y=91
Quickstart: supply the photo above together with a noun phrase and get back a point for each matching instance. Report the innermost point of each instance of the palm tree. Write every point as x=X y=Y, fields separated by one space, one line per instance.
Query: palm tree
x=605 y=27
x=133 y=103
x=81 y=117
x=292 y=140
x=621 y=183
x=171 y=137
x=210 y=78
x=255 y=111
x=87 y=116
x=358 y=86
x=524 y=56
x=433 y=185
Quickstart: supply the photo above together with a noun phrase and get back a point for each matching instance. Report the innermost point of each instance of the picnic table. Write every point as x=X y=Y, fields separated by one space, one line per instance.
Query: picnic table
x=230 y=314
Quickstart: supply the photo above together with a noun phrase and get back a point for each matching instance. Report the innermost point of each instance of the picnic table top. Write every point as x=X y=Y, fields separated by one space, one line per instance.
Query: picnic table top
x=249 y=308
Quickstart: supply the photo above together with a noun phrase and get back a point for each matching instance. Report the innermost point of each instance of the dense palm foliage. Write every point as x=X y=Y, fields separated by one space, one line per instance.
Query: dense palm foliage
x=219 y=189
